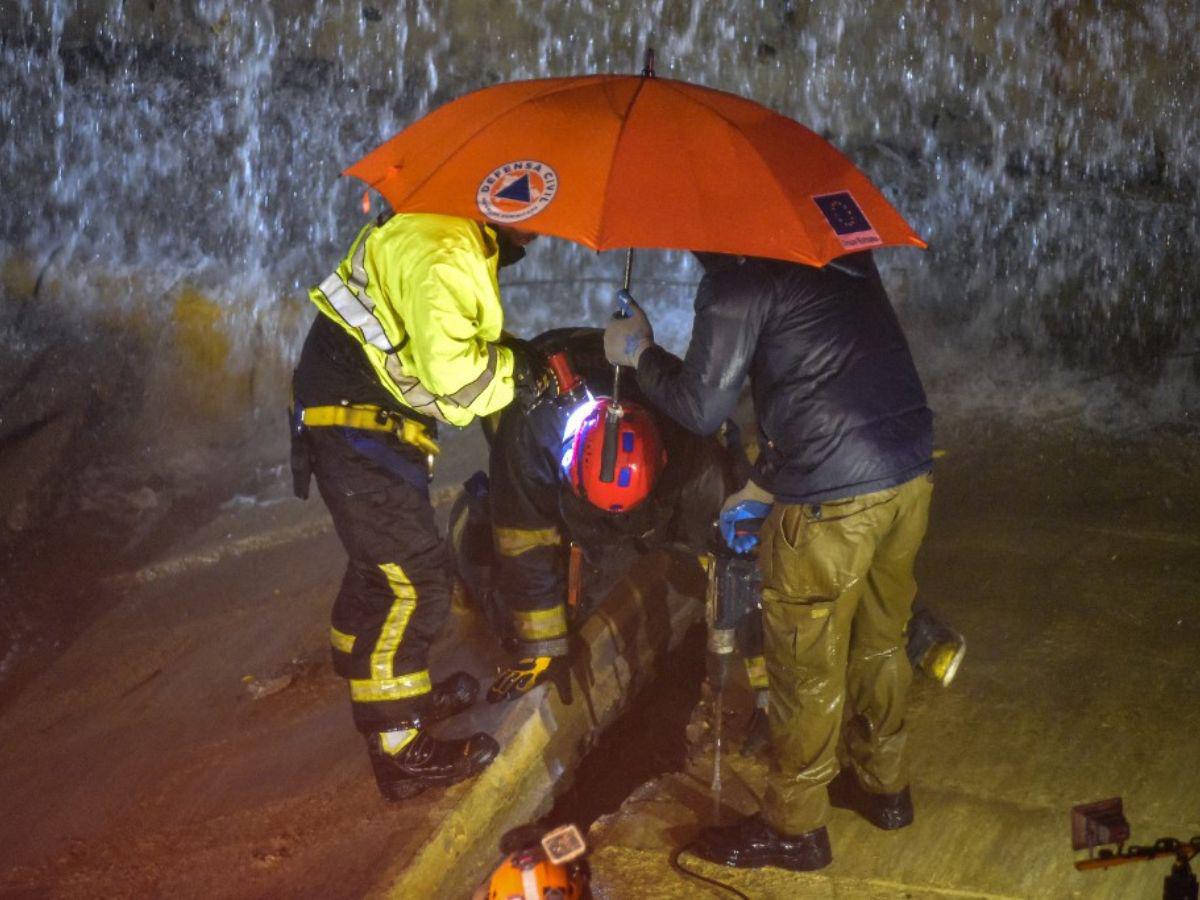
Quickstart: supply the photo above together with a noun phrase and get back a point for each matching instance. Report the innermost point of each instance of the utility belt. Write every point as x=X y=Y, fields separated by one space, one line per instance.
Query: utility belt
x=356 y=417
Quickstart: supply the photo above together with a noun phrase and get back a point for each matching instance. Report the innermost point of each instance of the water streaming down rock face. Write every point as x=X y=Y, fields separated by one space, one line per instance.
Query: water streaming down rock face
x=170 y=170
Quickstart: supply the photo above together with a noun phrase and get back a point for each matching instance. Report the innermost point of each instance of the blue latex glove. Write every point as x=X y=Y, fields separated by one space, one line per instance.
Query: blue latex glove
x=741 y=522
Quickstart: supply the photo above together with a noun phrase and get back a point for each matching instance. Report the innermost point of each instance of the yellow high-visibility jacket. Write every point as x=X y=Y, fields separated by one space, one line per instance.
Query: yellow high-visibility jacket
x=420 y=294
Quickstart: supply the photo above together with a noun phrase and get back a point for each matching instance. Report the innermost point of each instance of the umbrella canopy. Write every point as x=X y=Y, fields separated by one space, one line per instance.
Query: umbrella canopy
x=615 y=161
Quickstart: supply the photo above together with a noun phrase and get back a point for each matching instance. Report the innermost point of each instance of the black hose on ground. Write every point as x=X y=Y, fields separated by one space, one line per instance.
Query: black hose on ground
x=688 y=873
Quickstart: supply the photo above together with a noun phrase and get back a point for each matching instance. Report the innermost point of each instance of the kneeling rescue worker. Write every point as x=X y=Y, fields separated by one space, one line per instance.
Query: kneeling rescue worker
x=551 y=512
x=408 y=337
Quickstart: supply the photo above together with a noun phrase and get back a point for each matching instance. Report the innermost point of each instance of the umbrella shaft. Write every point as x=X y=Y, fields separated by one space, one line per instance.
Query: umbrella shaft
x=616 y=391
x=612 y=419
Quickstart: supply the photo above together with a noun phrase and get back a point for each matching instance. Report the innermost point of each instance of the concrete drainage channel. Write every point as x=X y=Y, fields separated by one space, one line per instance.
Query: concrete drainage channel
x=649 y=739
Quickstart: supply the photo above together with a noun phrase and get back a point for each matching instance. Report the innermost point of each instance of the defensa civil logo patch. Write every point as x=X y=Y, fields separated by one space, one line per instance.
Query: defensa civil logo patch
x=516 y=190
x=847 y=220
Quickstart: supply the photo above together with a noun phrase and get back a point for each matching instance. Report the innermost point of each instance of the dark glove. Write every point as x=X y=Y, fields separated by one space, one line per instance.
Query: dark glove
x=524 y=675
x=533 y=380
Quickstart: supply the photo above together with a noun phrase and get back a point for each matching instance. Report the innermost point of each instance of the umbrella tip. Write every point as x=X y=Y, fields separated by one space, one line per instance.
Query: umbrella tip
x=648 y=65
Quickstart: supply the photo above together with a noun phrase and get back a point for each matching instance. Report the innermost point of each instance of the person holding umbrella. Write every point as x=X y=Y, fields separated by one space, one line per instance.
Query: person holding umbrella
x=844 y=470
x=408 y=336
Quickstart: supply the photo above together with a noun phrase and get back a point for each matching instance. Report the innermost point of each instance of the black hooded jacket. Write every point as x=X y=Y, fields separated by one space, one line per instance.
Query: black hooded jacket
x=840 y=407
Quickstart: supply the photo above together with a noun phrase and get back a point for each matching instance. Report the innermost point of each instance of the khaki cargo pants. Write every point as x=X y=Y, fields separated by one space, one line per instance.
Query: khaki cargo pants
x=838 y=589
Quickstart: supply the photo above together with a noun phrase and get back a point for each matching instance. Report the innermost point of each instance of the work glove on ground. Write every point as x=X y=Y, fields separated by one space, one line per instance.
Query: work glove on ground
x=626 y=338
x=742 y=516
x=524 y=675
x=533 y=380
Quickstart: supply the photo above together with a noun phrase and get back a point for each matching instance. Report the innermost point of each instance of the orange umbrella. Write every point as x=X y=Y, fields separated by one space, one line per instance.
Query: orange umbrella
x=625 y=161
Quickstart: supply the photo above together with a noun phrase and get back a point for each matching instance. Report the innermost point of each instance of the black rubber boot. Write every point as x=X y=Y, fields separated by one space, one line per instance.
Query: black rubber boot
x=450 y=696
x=752 y=843
x=886 y=811
x=426 y=762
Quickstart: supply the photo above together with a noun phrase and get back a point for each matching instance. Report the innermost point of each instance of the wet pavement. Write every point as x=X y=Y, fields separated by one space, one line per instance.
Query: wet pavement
x=1071 y=565
x=139 y=763
x=194 y=742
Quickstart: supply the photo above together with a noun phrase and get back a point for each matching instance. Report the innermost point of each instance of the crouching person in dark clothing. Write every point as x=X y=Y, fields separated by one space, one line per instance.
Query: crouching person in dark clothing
x=847 y=445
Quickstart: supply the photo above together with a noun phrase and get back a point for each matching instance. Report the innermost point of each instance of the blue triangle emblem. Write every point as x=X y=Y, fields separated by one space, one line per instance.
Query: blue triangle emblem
x=518 y=190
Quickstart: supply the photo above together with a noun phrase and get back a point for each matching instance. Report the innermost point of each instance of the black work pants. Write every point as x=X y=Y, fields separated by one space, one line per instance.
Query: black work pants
x=395 y=595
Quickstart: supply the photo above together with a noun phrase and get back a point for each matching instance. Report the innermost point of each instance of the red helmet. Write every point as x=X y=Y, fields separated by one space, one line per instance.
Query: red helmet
x=640 y=456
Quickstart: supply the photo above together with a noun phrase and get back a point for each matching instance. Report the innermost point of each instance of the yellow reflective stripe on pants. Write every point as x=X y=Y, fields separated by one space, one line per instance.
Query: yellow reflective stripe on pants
x=540 y=624
x=516 y=541
x=341 y=641
x=392 y=632
x=379 y=690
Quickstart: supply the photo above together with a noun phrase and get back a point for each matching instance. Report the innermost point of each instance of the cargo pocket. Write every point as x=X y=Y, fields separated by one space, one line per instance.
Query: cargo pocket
x=800 y=631
x=797 y=566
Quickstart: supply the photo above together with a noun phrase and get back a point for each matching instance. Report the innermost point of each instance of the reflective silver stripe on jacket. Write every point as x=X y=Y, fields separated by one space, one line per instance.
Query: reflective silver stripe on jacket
x=412 y=390
x=358 y=311
x=357 y=307
x=467 y=394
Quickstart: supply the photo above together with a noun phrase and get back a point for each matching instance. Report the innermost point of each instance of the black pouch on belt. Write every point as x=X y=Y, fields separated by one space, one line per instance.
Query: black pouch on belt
x=301 y=456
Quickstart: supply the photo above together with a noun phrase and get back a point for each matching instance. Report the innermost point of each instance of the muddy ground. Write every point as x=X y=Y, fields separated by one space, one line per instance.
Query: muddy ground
x=138 y=763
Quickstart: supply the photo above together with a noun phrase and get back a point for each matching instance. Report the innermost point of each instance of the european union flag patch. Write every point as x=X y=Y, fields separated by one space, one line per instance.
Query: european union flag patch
x=847 y=220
